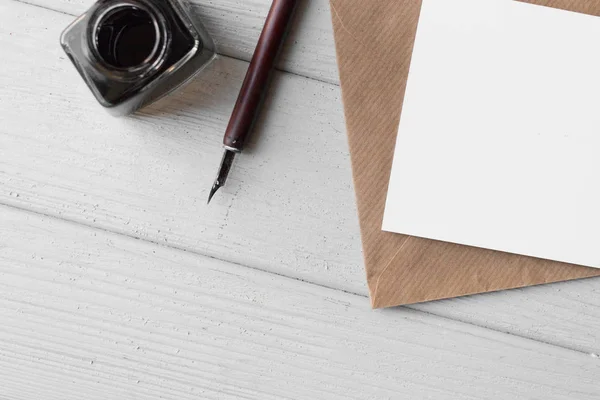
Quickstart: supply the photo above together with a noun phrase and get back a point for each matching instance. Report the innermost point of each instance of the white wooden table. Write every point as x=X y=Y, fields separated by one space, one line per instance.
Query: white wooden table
x=118 y=282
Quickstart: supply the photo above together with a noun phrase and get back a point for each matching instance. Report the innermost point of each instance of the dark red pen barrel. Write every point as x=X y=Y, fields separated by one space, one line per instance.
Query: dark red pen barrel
x=256 y=83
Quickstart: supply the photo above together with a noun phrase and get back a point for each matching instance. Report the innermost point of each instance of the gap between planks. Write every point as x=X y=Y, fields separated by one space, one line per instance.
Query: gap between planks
x=198 y=254
x=96 y=311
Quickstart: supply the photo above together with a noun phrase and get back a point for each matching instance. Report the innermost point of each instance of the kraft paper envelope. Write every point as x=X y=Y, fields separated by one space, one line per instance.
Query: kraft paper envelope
x=374 y=41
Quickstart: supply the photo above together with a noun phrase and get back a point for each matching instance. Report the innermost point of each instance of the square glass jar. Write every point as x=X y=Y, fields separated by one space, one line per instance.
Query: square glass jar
x=133 y=52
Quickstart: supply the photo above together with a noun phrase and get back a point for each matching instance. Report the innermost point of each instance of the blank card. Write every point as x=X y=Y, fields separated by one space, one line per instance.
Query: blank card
x=499 y=139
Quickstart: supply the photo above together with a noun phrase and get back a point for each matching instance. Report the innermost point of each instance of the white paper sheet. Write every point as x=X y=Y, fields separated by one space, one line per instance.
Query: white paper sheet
x=499 y=139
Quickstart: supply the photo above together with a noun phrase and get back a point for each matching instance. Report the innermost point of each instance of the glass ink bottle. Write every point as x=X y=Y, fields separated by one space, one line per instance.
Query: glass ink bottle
x=133 y=52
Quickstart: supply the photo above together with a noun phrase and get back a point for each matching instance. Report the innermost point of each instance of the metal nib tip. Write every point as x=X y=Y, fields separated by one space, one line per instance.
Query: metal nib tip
x=212 y=192
x=226 y=163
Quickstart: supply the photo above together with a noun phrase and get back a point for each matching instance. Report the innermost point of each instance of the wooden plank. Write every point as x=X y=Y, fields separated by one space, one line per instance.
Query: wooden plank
x=289 y=208
x=566 y=313
x=87 y=313
x=236 y=24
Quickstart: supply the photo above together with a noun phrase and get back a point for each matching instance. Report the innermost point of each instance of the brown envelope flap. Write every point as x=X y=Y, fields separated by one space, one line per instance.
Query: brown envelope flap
x=374 y=41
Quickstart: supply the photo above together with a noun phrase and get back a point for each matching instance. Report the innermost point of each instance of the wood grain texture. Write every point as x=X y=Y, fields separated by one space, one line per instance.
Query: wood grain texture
x=288 y=208
x=236 y=25
x=149 y=176
x=91 y=314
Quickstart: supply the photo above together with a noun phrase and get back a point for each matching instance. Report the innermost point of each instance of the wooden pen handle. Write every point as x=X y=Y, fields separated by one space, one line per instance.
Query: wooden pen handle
x=256 y=82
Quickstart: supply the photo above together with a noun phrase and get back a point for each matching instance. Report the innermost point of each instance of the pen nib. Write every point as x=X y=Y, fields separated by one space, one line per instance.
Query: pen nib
x=214 y=189
x=226 y=163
